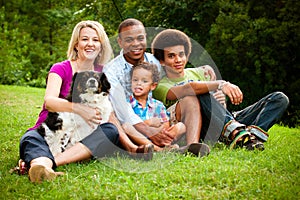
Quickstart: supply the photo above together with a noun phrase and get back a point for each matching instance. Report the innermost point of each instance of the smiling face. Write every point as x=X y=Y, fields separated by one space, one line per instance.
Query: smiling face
x=89 y=45
x=132 y=40
x=142 y=83
x=174 y=61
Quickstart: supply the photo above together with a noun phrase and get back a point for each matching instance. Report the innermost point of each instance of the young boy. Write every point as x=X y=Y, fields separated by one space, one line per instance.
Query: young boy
x=144 y=79
x=172 y=48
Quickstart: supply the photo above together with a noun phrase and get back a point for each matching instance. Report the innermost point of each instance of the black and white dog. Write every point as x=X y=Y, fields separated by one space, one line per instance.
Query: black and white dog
x=63 y=129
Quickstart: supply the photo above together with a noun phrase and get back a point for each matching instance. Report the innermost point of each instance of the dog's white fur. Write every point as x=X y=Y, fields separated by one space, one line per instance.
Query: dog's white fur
x=74 y=127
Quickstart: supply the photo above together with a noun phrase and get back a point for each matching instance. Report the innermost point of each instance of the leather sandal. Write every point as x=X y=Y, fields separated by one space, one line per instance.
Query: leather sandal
x=196 y=149
x=20 y=169
x=145 y=152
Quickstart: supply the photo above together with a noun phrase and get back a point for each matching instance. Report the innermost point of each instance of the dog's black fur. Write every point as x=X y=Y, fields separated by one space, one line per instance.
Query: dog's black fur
x=74 y=94
x=52 y=121
x=88 y=83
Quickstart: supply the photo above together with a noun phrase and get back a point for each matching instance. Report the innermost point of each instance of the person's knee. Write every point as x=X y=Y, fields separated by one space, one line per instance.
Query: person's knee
x=190 y=102
x=189 y=107
x=282 y=99
x=110 y=131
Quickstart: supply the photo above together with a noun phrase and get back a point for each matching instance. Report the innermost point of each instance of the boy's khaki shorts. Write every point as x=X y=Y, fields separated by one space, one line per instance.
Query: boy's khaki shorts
x=172 y=111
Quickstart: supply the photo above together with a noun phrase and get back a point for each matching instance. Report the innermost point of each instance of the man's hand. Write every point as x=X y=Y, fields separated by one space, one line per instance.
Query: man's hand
x=157 y=135
x=154 y=121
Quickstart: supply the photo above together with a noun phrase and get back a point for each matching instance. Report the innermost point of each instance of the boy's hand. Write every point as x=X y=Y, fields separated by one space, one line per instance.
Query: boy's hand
x=209 y=72
x=220 y=97
x=162 y=139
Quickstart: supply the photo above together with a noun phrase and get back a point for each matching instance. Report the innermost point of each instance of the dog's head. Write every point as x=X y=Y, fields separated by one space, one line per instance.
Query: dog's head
x=88 y=82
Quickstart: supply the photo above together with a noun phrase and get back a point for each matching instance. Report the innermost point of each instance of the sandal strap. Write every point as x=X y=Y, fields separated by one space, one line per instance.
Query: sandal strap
x=254 y=143
x=240 y=135
x=258 y=132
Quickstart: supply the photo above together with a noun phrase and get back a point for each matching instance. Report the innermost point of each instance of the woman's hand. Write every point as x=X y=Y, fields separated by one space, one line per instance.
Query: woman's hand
x=91 y=115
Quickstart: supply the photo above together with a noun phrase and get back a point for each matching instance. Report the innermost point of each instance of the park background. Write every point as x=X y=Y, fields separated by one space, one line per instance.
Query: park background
x=254 y=43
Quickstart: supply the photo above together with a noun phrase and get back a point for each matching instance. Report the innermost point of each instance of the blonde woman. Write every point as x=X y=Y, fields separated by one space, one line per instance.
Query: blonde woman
x=89 y=49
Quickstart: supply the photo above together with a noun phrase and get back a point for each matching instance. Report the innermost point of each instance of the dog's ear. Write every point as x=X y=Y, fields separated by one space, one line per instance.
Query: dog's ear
x=69 y=97
x=75 y=88
x=105 y=84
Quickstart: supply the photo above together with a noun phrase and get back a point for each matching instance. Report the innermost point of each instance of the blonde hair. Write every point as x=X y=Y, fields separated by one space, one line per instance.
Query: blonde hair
x=106 y=52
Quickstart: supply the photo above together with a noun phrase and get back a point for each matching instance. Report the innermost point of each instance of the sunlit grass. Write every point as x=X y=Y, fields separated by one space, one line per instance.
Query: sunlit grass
x=224 y=174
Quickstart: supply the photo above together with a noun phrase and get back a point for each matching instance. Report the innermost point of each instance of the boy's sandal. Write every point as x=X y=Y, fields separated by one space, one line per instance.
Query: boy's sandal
x=254 y=144
x=145 y=152
x=196 y=149
x=39 y=173
x=245 y=139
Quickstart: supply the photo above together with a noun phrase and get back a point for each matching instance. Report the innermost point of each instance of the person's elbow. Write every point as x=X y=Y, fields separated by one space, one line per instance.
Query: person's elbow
x=48 y=102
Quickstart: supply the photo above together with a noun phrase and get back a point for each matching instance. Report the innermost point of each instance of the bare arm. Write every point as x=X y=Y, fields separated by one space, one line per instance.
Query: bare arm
x=192 y=88
x=154 y=121
x=55 y=104
x=197 y=88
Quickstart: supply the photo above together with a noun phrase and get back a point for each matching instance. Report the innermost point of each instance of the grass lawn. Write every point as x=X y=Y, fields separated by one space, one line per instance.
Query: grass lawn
x=224 y=174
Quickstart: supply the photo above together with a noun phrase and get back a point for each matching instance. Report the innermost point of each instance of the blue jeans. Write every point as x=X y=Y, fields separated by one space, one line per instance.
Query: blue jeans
x=103 y=141
x=262 y=115
x=214 y=118
x=265 y=112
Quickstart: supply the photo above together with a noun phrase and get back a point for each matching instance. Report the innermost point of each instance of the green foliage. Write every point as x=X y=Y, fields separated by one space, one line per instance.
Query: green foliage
x=257 y=50
x=224 y=174
x=253 y=47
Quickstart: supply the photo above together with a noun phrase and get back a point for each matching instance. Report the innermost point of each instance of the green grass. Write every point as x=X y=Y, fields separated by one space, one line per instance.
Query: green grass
x=224 y=174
